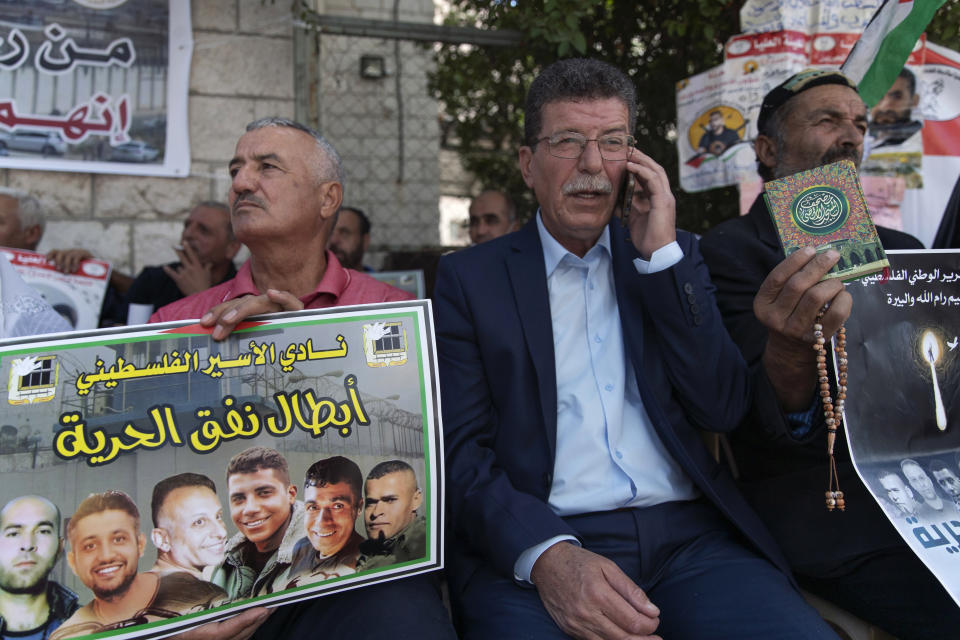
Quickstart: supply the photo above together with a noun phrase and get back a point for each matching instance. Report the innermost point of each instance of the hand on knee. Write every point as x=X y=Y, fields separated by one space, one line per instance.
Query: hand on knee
x=588 y=596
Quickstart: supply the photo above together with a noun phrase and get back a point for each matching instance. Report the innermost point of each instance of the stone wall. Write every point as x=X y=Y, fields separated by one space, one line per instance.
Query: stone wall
x=243 y=68
x=386 y=129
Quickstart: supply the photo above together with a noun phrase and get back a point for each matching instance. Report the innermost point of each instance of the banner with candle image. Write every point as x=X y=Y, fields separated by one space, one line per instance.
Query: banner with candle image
x=903 y=406
x=176 y=462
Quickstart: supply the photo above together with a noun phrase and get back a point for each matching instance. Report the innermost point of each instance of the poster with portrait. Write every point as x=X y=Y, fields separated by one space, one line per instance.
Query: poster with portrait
x=893 y=146
x=717 y=110
x=75 y=296
x=903 y=405
x=714 y=132
x=190 y=479
x=97 y=86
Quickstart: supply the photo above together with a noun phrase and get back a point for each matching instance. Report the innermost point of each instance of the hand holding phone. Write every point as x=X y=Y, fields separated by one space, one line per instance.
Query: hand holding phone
x=650 y=210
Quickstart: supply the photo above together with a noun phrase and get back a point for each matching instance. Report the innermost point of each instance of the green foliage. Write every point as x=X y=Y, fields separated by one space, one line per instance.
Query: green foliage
x=656 y=42
x=944 y=29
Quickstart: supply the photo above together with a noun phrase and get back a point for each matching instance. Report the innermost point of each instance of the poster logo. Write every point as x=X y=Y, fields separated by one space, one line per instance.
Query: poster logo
x=385 y=344
x=32 y=379
x=820 y=210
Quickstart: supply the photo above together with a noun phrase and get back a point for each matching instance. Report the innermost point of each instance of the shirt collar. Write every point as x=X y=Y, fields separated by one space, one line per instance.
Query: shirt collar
x=335 y=278
x=242 y=284
x=554 y=252
x=334 y=282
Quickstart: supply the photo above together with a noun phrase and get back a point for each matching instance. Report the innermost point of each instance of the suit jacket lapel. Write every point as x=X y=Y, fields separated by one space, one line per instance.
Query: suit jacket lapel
x=624 y=277
x=529 y=281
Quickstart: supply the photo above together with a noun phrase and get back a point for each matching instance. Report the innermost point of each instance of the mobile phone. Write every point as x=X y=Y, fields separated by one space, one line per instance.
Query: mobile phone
x=626 y=191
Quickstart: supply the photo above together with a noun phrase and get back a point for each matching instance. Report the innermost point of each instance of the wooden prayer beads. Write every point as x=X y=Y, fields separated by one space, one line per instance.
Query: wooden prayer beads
x=832 y=411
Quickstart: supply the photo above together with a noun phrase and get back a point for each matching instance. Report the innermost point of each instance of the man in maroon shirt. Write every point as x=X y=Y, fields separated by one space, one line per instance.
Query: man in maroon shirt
x=287 y=187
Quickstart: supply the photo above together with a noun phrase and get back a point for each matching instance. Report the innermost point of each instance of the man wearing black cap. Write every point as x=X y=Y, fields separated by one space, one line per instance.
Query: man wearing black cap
x=855 y=558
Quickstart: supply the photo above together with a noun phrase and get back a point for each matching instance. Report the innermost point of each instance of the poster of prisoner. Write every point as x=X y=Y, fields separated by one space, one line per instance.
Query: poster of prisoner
x=96 y=86
x=903 y=402
x=154 y=479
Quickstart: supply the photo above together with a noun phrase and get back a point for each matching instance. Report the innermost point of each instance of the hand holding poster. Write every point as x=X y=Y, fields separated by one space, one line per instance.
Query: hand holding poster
x=903 y=409
x=299 y=457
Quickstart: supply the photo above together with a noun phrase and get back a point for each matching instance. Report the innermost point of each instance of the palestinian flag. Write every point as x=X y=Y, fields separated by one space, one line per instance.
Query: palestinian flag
x=879 y=54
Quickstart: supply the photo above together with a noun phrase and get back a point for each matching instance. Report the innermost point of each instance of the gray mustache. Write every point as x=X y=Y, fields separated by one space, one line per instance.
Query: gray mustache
x=593 y=183
x=248 y=199
x=841 y=153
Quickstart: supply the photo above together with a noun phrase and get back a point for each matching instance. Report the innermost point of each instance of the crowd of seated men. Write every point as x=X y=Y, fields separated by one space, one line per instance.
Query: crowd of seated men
x=581 y=356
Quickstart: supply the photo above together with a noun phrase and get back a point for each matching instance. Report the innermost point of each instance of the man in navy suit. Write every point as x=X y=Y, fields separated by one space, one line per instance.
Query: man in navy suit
x=578 y=362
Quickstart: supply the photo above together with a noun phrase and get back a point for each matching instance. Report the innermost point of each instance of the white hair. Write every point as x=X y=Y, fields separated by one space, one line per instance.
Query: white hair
x=28 y=208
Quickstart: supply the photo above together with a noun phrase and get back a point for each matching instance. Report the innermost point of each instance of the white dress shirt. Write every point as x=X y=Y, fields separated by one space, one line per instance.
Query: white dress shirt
x=608 y=454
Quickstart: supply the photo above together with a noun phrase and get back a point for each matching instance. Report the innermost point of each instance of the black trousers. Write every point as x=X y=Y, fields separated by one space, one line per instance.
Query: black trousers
x=892 y=590
x=706 y=580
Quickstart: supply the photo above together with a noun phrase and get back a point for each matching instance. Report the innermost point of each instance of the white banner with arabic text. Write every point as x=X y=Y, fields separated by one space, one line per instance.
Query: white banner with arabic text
x=97 y=87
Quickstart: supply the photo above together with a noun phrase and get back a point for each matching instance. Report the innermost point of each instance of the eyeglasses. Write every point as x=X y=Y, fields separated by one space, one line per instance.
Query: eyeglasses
x=571 y=145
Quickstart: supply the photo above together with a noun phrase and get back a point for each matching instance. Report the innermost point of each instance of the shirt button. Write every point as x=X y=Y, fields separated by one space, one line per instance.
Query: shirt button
x=619 y=455
x=597 y=339
x=609 y=387
x=590 y=284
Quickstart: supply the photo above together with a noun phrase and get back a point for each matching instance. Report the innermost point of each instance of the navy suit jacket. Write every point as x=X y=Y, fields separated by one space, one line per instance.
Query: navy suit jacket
x=499 y=395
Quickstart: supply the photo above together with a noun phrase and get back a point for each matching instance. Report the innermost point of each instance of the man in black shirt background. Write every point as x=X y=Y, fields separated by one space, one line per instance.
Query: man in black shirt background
x=206 y=254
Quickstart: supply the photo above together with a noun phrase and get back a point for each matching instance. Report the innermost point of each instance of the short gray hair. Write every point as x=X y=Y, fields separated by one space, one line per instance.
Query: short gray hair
x=576 y=80
x=28 y=208
x=331 y=167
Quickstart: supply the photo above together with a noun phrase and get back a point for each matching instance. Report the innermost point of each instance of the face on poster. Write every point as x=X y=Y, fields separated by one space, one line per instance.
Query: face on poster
x=95 y=86
x=894 y=143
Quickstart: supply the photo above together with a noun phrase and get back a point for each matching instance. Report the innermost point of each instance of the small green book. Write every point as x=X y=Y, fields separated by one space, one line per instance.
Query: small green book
x=824 y=208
